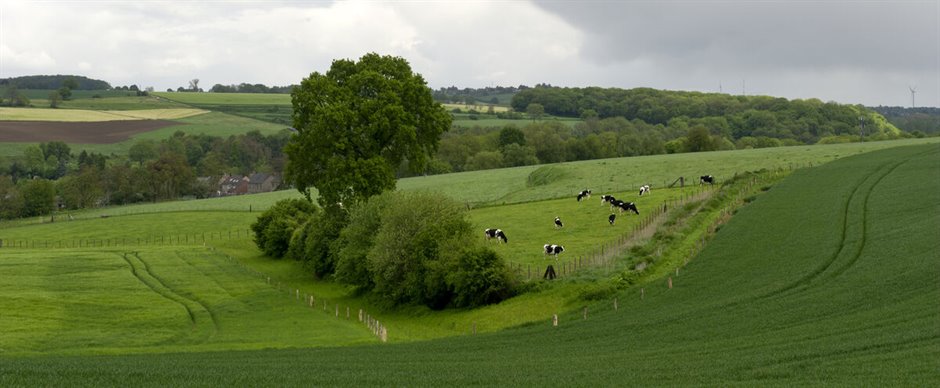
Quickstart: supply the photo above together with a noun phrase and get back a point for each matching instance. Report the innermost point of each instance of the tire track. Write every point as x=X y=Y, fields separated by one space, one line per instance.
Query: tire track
x=843 y=239
x=212 y=317
x=142 y=271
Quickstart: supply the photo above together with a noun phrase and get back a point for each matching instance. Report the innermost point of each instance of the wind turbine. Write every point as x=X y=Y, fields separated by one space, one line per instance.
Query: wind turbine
x=913 y=90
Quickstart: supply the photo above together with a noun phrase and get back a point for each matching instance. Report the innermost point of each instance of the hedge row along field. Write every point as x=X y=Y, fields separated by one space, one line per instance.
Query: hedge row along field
x=828 y=278
x=512 y=185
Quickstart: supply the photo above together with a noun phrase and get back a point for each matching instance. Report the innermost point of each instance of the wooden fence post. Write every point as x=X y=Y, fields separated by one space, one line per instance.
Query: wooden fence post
x=615 y=303
x=554 y=319
x=585 y=313
x=670 y=282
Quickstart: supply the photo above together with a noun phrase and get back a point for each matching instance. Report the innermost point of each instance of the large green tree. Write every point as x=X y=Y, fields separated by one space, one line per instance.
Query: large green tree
x=357 y=123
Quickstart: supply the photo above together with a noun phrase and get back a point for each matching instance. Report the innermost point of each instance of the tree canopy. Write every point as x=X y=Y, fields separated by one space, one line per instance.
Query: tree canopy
x=357 y=124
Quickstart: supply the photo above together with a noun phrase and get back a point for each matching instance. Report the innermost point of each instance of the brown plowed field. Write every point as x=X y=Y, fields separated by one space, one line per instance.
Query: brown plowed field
x=101 y=132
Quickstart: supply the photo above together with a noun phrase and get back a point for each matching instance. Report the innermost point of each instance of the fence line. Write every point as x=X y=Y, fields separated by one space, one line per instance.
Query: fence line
x=376 y=327
x=187 y=239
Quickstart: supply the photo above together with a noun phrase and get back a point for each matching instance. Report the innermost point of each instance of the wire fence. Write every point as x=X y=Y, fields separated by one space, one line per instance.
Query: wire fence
x=184 y=239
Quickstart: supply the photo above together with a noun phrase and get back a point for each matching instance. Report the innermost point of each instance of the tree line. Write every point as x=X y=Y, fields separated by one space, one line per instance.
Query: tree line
x=733 y=117
x=52 y=82
x=49 y=176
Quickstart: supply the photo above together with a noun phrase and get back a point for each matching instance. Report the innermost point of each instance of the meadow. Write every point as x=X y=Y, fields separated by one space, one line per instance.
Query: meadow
x=825 y=279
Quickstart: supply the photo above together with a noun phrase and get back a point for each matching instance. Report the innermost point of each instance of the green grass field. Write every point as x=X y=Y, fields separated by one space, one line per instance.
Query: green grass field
x=829 y=278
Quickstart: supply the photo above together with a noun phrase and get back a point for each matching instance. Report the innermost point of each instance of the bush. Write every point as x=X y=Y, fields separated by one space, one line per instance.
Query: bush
x=320 y=244
x=418 y=232
x=274 y=228
x=479 y=277
x=355 y=241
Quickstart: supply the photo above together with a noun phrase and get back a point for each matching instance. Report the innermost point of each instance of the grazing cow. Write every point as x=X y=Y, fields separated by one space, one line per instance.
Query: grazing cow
x=611 y=218
x=607 y=199
x=584 y=194
x=495 y=233
x=706 y=179
x=558 y=223
x=616 y=203
x=489 y=233
x=629 y=206
x=554 y=250
x=500 y=236
x=645 y=189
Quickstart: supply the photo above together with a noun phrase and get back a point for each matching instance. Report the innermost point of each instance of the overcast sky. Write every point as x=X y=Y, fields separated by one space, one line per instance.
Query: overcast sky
x=867 y=52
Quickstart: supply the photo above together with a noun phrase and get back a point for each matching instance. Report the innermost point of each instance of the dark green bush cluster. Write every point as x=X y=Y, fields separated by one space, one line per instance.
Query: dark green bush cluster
x=405 y=248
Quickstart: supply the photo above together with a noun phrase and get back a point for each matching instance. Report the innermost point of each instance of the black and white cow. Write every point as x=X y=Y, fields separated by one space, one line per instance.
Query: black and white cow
x=645 y=189
x=552 y=249
x=495 y=233
x=615 y=204
x=607 y=199
x=612 y=218
x=558 y=223
x=706 y=179
x=628 y=206
x=584 y=194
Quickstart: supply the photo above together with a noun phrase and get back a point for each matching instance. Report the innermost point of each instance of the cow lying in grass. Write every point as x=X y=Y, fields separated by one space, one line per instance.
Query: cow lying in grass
x=706 y=179
x=558 y=223
x=612 y=218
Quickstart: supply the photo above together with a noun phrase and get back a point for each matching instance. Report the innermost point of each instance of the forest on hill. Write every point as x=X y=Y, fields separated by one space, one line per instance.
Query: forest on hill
x=733 y=117
x=923 y=120
x=52 y=82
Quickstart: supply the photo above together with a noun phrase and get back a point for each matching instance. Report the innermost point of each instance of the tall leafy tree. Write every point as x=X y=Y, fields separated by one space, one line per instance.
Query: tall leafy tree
x=357 y=123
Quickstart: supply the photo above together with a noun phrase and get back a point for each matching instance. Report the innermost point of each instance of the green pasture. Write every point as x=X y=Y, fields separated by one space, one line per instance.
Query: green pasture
x=227 y=98
x=530 y=225
x=829 y=278
x=152 y=299
x=488 y=121
x=42 y=94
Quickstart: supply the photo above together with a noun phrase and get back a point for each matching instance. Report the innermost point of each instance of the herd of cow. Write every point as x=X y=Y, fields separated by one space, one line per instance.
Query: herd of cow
x=555 y=249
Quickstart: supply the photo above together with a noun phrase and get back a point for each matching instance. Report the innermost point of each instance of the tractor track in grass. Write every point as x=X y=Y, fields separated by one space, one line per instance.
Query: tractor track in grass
x=820 y=272
x=159 y=287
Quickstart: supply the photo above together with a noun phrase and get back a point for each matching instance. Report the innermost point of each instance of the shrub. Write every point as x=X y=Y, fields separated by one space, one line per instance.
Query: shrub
x=320 y=245
x=409 y=245
x=479 y=277
x=355 y=241
x=274 y=228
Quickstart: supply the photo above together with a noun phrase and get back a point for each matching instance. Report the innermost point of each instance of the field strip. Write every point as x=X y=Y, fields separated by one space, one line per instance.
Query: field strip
x=82 y=115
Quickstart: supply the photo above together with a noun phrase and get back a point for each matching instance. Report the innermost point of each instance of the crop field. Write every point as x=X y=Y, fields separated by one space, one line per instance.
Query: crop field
x=482 y=108
x=82 y=115
x=151 y=299
x=212 y=123
x=828 y=278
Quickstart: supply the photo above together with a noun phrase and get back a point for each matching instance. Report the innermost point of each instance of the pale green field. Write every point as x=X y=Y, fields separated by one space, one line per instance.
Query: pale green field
x=81 y=115
x=227 y=98
x=482 y=108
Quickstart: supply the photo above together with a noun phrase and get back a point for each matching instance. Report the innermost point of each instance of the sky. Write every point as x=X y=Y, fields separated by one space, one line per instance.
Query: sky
x=857 y=52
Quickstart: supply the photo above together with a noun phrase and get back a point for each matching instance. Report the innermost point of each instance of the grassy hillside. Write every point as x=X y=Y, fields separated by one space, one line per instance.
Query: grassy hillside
x=827 y=279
